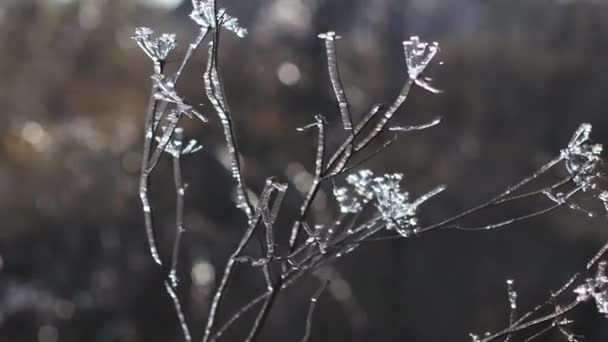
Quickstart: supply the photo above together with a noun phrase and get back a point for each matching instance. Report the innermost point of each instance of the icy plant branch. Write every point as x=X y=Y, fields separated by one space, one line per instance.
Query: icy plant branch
x=369 y=207
x=596 y=289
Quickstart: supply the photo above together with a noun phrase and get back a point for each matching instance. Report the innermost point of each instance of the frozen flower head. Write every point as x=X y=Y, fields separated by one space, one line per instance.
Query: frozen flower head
x=596 y=289
x=418 y=55
x=393 y=203
x=157 y=49
x=582 y=158
x=203 y=13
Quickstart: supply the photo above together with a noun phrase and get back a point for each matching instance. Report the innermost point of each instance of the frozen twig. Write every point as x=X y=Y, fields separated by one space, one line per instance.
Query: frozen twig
x=221 y=289
x=311 y=311
x=144 y=180
x=180 y=313
x=334 y=76
x=180 y=190
x=215 y=93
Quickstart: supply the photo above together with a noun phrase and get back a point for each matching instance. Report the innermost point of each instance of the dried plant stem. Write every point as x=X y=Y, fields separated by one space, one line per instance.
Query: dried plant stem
x=311 y=311
x=388 y=114
x=144 y=180
x=191 y=49
x=215 y=93
x=561 y=311
x=219 y=292
x=180 y=191
x=336 y=82
x=315 y=186
x=179 y=311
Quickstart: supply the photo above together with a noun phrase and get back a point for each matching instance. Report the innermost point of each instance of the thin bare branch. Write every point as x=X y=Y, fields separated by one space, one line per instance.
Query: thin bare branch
x=191 y=49
x=334 y=76
x=221 y=289
x=180 y=313
x=144 y=180
x=369 y=156
x=559 y=312
x=214 y=91
x=180 y=191
x=341 y=152
x=388 y=114
x=436 y=121
x=311 y=311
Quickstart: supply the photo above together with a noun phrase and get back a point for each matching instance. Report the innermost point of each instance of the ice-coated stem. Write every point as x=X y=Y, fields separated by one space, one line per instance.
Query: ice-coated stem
x=144 y=180
x=180 y=190
x=191 y=49
x=228 y=269
x=214 y=91
x=311 y=311
x=334 y=76
x=180 y=313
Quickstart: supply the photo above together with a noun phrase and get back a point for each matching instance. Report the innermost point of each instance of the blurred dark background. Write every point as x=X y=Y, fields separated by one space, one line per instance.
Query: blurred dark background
x=519 y=76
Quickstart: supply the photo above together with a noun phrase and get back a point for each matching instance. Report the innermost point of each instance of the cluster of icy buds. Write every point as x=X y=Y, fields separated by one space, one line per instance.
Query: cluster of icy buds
x=156 y=48
x=203 y=14
x=393 y=203
x=596 y=288
x=582 y=158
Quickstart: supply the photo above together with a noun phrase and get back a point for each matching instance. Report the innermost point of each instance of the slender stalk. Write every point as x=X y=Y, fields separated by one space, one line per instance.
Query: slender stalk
x=315 y=186
x=144 y=180
x=403 y=94
x=311 y=311
x=334 y=76
x=262 y=316
x=191 y=49
x=180 y=190
x=214 y=91
x=180 y=313
x=340 y=153
x=510 y=330
x=228 y=270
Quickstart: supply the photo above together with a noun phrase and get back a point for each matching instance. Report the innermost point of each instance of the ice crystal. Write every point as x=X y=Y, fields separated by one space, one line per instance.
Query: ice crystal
x=203 y=14
x=582 y=158
x=597 y=289
x=156 y=48
x=165 y=91
x=175 y=146
x=418 y=55
x=394 y=205
x=603 y=196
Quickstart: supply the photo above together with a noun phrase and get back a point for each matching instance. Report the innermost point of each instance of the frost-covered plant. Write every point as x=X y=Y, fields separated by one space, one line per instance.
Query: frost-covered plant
x=582 y=158
x=596 y=288
x=390 y=211
x=394 y=204
x=156 y=48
